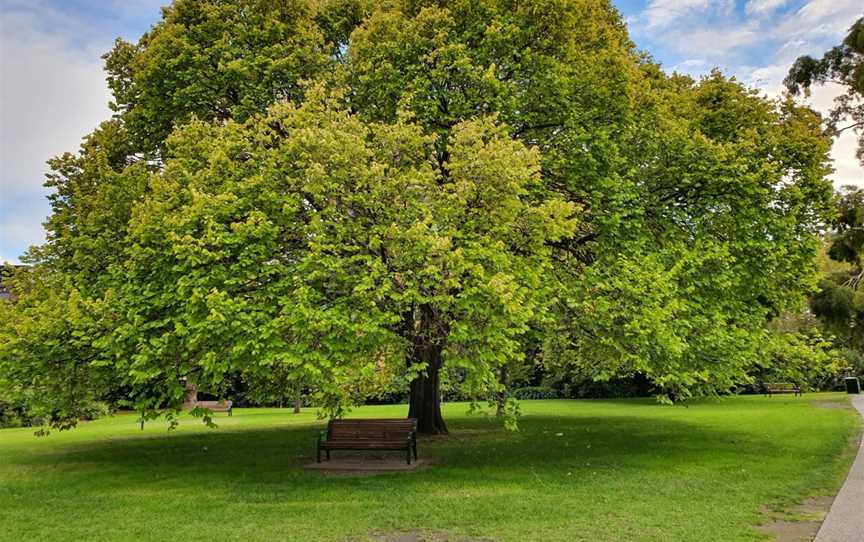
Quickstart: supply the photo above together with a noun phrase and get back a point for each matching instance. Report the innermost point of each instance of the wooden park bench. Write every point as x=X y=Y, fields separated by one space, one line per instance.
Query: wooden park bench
x=782 y=387
x=216 y=406
x=369 y=434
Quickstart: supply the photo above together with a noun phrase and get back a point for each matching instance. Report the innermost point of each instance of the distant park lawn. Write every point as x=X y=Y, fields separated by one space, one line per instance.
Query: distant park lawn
x=576 y=470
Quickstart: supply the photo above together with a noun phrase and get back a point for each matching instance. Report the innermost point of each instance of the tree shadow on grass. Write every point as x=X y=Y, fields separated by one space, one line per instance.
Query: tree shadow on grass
x=477 y=447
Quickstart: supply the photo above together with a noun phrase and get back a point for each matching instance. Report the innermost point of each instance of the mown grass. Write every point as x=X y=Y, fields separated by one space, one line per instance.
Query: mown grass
x=576 y=470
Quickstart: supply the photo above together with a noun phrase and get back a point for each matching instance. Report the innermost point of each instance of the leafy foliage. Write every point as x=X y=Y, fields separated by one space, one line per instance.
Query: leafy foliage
x=716 y=234
x=535 y=392
x=48 y=357
x=214 y=60
x=348 y=195
x=853 y=362
x=838 y=301
x=305 y=239
x=807 y=359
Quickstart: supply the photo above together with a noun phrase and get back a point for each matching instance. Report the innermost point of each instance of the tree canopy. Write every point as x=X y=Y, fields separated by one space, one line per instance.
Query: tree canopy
x=348 y=192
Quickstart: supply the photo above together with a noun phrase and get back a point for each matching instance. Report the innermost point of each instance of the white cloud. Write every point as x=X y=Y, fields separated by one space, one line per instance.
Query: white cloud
x=716 y=29
x=691 y=66
x=827 y=10
x=818 y=19
x=19 y=230
x=52 y=93
x=663 y=12
x=762 y=7
x=766 y=78
x=847 y=169
x=714 y=42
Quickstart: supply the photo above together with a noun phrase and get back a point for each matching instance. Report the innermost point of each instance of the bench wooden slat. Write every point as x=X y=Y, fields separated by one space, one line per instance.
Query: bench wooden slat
x=350 y=438
x=377 y=435
x=369 y=434
x=781 y=387
x=362 y=445
x=217 y=406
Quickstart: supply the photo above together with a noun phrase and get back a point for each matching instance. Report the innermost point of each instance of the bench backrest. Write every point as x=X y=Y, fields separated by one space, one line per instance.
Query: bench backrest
x=384 y=430
x=781 y=386
x=215 y=405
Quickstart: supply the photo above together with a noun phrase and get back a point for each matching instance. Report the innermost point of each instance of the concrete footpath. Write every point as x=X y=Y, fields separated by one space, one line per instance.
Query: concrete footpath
x=845 y=520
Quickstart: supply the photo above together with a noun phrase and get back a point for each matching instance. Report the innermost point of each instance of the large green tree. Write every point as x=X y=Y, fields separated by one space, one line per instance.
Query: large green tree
x=307 y=238
x=337 y=189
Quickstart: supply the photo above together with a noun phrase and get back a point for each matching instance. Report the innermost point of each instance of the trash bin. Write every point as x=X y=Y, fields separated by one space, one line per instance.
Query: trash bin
x=852 y=385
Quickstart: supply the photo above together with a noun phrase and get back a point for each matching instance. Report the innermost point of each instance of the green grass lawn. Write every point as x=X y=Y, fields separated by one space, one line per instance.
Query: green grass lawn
x=577 y=470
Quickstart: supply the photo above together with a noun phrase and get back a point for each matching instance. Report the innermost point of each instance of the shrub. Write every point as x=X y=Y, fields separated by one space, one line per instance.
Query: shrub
x=534 y=392
x=15 y=414
x=94 y=410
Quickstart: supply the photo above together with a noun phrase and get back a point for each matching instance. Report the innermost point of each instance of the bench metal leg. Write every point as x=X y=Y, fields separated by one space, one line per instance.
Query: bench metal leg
x=415 y=452
x=318 y=453
x=328 y=454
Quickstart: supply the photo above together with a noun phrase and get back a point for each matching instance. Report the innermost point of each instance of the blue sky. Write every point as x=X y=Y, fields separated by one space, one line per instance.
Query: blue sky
x=52 y=89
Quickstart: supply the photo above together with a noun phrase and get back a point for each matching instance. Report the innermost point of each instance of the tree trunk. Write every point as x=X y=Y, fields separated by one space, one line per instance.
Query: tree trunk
x=298 y=401
x=425 y=404
x=501 y=396
x=425 y=397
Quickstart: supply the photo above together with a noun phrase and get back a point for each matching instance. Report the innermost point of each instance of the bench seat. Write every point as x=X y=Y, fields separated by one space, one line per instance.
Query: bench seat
x=216 y=406
x=369 y=434
x=782 y=387
x=354 y=445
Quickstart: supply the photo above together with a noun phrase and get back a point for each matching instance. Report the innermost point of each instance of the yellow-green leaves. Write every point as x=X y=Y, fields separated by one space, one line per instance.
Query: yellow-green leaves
x=360 y=227
x=345 y=194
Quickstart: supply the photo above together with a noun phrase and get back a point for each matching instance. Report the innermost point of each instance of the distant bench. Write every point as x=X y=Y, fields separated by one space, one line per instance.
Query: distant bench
x=782 y=387
x=216 y=406
x=369 y=434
